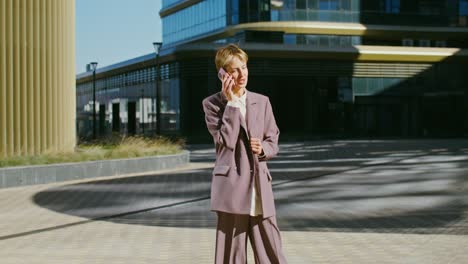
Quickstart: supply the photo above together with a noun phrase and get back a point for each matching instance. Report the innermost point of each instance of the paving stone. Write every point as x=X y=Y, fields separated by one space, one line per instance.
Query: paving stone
x=345 y=201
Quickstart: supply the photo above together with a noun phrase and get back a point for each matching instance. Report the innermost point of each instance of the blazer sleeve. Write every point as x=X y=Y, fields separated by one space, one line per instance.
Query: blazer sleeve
x=223 y=124
x=271 y=134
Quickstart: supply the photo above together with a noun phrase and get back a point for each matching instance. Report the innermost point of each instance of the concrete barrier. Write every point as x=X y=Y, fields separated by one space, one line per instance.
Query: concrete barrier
x=41 y=174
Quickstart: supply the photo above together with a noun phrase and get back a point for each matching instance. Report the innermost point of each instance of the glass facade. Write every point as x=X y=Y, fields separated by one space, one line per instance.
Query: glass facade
x=463 y=8
x=373 y=86
x=334 y=90
x=126 y=102
x=193 y=21
x=392 y=6
x=317 y=10
x=417 y=13
x=330 y=41
x=245 y=11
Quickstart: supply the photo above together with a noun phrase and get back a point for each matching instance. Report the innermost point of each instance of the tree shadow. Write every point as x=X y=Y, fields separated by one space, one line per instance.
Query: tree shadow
x=340 y=186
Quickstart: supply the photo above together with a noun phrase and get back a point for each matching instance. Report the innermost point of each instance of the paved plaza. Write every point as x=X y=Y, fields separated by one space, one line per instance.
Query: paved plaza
x=338 y=201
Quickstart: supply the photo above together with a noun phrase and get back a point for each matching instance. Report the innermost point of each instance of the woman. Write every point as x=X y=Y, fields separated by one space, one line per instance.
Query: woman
x=246 y=136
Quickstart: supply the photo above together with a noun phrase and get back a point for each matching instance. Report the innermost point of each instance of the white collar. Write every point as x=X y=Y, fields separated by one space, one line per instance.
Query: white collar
x=242 y=98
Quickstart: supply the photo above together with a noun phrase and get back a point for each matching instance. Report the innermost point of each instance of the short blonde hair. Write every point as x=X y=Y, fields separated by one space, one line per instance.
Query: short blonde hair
x=225 y=55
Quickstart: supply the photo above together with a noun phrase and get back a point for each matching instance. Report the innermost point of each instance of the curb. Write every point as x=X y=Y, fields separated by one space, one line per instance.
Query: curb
x=42 y=174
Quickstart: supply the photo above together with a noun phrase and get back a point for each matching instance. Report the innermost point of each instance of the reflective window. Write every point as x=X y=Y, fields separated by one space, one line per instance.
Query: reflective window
x=440 y=43
x=301 y=4
x=241 y=11
x=234 y=10
x=407 y=42
x=322 y=40
x=392 y=6
x=373 y=86
x=424 y=43
x=194 y=20
x=328 y=5
x=463 y=9
x=429 y=7
x=317 y=10
x=289 y=39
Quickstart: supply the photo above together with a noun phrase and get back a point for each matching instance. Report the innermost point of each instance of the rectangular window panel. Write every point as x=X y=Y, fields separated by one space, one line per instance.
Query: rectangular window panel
x=312 y=40
x=301 y=4
x=328 y=5
x=274 y=15
x=345 y=5
x=407 y=42
x=289 y=38
x=312 y=4
x=463 y=8
x=424 y=43
x=441 y=43
x=392 y=6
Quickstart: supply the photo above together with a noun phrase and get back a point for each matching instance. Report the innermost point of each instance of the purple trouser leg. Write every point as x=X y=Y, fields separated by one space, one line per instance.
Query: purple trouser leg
x=231 y=239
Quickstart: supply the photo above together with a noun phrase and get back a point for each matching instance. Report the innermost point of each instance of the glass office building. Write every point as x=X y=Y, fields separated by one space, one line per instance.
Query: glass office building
x=126 y=98
x=194 y=20
x=330 y=67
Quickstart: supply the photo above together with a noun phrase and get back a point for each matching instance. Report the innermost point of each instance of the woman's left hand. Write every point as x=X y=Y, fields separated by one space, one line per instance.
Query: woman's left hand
x=256 y=146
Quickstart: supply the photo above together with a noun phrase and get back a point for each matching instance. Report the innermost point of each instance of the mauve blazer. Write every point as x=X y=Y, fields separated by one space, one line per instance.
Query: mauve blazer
x=231 y=185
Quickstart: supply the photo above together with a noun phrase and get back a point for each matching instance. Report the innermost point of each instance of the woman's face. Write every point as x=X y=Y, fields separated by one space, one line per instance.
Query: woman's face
x=239 y=72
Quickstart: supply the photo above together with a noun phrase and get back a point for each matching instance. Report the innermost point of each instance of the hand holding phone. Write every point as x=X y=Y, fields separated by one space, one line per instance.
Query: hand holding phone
x=228 y=83
x=221 y=74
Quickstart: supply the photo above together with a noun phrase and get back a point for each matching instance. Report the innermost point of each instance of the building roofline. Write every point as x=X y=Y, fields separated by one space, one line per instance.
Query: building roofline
x=331 y=28
x=356 y=53
x=166 y=11
x=118 y=65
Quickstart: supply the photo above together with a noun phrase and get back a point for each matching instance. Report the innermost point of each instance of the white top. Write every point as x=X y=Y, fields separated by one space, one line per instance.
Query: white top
x=255 y=203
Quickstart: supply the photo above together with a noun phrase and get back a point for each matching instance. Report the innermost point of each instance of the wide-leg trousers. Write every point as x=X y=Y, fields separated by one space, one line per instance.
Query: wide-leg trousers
x=231 y=239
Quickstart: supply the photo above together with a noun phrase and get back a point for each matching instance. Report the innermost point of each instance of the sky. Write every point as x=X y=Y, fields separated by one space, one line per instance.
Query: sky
x=111 y=31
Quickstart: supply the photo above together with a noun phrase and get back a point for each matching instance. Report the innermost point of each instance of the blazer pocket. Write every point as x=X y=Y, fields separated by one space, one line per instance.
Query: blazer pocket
x=221 y=170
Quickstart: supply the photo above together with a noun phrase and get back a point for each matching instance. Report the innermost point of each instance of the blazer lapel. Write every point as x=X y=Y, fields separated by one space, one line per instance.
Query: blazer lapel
x=243 y=123
x=251 y=114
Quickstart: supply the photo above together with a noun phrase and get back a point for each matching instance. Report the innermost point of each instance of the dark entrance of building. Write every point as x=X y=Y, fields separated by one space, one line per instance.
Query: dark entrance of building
x=443 y=115
x=131 y=118
x=102 y=119
x=116 y=117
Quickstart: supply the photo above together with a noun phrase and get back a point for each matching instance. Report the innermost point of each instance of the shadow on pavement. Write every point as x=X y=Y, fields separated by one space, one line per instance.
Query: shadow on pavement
x=411 y=186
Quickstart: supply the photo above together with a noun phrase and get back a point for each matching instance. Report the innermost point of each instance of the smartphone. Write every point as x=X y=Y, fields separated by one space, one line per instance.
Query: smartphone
x=221 y=73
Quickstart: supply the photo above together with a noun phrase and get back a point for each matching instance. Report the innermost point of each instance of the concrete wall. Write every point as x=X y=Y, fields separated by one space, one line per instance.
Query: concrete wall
x=31 y=175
